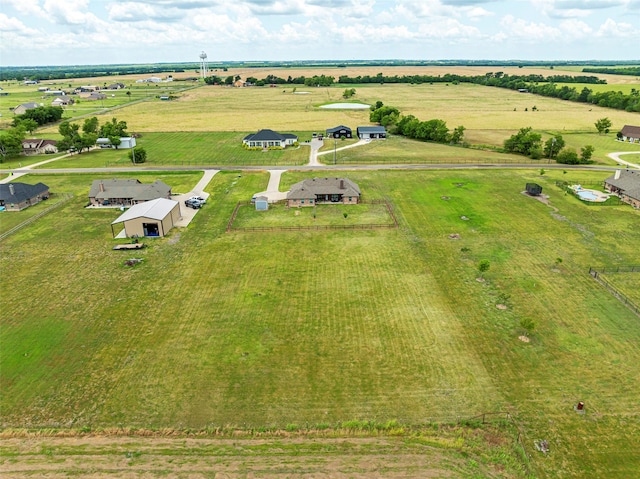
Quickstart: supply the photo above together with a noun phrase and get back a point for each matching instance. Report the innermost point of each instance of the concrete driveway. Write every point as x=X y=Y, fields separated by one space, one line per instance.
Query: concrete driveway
x=186 y=213
x=273 y=192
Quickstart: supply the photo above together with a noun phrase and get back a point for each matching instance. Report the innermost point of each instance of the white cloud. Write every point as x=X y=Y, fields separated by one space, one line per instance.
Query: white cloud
x=14 y=26
x=611 y=28
x=516 y=27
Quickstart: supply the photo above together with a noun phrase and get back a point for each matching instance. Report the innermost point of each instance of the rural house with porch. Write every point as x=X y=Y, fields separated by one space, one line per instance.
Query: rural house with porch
x=630 y=133
x=18 y=196
x=323 y=191
x=126 y=192
x=267 y=138
x=36 y=146
x=625 y=184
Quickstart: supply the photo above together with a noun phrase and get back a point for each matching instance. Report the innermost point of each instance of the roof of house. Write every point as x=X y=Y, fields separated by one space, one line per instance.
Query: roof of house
x=323 y=186
x=21 y=191
x=371 y=129
x=629 y=182
x=156 y=209
x=28 y=106
x=269 y=135
x=129 y=189
x=38 y=143
x=338 y=128
x=631 y=131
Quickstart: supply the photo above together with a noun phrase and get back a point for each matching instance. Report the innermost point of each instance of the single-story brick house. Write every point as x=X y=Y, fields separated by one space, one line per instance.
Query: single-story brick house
x=625 y=184
x=339 y=132
x=35 y=146
x=267 y=138
x=153 y=218
x=371 y=132
x=322 y=191
x=631 y=133
x=18 y=196
x=126 y=192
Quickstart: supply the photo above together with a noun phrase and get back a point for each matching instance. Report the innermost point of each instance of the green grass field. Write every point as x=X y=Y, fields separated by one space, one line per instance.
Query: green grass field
x=215 y=329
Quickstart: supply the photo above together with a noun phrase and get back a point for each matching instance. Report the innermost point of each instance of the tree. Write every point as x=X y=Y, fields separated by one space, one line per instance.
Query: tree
x=568 y=157
x=484 y=266
x=348 y=93
x=228 y=80
x=523 y=142
x=28 y=124
x=553 y=146
x=603 y=125
x=114 y=130
x=138 y=155
x=90 y=125
x=586 y=152
x=385 y=115
x=11 y=142
x=458 y=135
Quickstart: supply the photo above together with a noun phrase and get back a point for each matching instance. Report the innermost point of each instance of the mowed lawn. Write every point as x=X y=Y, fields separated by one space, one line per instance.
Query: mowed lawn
x=256 y=329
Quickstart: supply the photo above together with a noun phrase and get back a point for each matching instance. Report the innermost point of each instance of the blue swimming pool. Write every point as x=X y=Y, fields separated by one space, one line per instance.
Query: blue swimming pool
x=587 y=195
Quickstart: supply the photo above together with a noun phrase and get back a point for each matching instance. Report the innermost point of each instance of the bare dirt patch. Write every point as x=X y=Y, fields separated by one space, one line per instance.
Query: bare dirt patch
x=502 y=306
x=524 y=339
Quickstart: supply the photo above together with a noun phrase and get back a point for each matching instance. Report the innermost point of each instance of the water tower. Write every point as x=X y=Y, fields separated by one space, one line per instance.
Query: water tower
x=203 y=65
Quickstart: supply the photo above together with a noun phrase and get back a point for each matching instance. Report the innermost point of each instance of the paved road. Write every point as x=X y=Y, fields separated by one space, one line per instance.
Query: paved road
x=616 y=157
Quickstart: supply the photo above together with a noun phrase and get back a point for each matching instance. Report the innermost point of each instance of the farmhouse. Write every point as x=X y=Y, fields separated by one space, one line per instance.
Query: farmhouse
x=323 y=191
x=36 y=146
x=626 y=184
x=115 y=86
x=630 y=133
x=340 y=131
x=63 y=100
x=18 y=196
x=153 y=218
x=126 y=192
x=93 y=96
x=371 y=132
x=22 y=109
x=267 y=138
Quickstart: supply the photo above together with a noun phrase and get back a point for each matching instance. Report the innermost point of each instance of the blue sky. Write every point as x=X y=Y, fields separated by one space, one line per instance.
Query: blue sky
x=64 y=32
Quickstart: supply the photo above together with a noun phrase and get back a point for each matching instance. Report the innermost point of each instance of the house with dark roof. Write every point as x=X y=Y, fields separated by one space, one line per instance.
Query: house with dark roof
x=371 y=132
x=22 y=109
x=323 y=191
x=340 y=131
x=36 y=146
x=18 y=196
x=625 y=184
x=267 y=138
x=630 y=133
x=126 y=192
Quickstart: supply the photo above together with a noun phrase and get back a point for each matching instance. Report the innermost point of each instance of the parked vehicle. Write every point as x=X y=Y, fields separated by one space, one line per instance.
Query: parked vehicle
x=198 y=198
x=191 y=203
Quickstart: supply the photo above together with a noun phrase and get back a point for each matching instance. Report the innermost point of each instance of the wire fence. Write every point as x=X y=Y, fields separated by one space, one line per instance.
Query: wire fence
x=624 y=299
x=436 y=161
x=65 y=197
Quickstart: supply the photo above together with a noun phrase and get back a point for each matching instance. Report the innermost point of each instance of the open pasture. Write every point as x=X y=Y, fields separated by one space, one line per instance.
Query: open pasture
x=226 y=329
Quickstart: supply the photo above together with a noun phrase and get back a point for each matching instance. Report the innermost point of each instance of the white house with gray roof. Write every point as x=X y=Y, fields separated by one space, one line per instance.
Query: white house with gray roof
x=323 y=191
x=371 y=132
x=126 y=192
x=267 y=138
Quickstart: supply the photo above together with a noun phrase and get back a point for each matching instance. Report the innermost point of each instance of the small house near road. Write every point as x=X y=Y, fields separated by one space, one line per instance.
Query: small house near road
x=371 y=132
x=37 y=146
x=625 y=184
x=18 y=196
x=153 y=218
x=340 y=131
x=267 y=138
x=322 y=191
x=126 y=192
x=630 y=133
x=63 y=100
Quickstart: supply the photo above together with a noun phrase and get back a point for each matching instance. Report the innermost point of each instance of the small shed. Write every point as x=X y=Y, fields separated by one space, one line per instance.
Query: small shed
x=534 y=189
x=262 y=203
x=151 y=218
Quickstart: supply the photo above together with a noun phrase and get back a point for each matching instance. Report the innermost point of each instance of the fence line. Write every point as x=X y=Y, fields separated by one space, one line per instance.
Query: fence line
x=619 y=295
x=613 y=200
x=65 y=198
